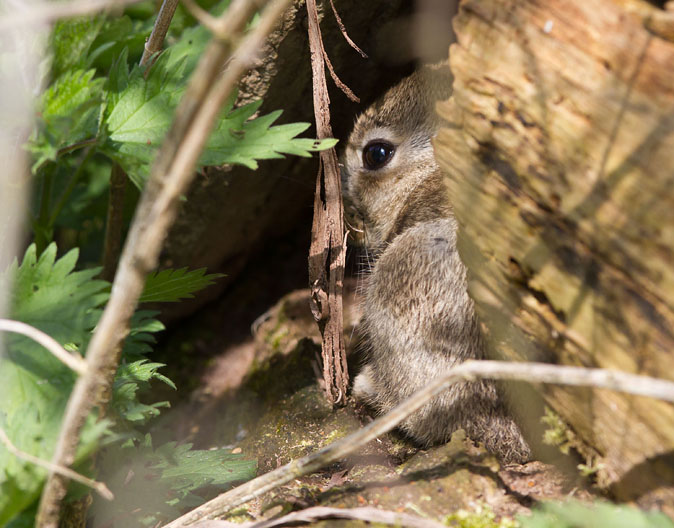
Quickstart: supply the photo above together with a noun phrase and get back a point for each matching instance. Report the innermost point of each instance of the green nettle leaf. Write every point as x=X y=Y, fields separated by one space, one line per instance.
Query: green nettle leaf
x=118 y=34
x=149 y=482
x=239 y=139
x=69 y=112
x=140 y=339
x=70 y=43
x=140 y=110
x=66 y=304
x=574 y=514
x=131 y=379
x=35 y=387
x=172 y=285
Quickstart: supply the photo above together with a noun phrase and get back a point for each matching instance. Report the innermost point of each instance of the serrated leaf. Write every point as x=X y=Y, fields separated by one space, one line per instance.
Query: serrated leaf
x=70 y=42
x=66 y=304
x=69 y=112
x=140 y=110
x=131 y=379
x=151 y=481
x=171 y=285
x=140 y=339
x=35 y=387
x=244 y=143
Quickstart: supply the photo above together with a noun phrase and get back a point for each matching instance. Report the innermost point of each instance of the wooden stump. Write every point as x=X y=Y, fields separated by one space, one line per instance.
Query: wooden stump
x=560 y=152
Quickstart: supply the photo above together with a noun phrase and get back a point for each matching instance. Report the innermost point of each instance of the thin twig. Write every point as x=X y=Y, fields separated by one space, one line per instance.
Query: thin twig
x=77 y=145
x=72 y=361
x=154 y=44
x=327 y=254
x=344 y=33
x=312 y=515
x=171 y=173
x=340 y=84
x=468 y=371
x=99 y=487
x=46 y=12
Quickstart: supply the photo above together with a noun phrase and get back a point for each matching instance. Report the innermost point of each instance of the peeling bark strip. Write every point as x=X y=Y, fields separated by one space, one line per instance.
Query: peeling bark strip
x=327 y=252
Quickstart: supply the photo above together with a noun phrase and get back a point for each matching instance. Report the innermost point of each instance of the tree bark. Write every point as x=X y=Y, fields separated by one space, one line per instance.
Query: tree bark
x=559 y=149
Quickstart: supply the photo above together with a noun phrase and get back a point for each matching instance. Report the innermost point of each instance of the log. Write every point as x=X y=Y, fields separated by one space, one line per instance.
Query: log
x=559 y=150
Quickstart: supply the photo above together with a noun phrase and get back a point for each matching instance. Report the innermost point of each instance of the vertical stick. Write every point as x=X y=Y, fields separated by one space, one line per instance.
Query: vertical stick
x=327 y=252
x=114 y=223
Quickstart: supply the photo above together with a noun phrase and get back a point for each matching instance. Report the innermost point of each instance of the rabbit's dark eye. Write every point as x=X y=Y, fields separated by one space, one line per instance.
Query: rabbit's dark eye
x=377 y=153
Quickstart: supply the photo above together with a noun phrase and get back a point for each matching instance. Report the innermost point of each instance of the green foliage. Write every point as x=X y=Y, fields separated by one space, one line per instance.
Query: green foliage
x=64 y=303
x=100 y=108
x=239 y=139
x=100 y=100
x=140 y=110
x=557 y=432
x=131 y=379
x=152 y=485
x=69 y=114
x=482 y=517
x=71 y=42
x=172 y=285
x=574 y=514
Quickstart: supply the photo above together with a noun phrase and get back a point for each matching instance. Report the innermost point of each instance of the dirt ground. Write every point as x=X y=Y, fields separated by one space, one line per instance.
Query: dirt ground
x=254 y=387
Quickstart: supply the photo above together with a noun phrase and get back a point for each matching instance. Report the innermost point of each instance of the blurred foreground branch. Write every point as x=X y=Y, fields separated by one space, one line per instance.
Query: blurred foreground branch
x=468 y=371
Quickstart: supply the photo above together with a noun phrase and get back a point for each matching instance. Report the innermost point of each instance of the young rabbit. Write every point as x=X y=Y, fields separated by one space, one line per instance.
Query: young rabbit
x=418 y=318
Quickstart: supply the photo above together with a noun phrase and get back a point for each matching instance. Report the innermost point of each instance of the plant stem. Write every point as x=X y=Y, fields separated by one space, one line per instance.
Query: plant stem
x=74 y=146
x=114 y=223
x=42 y=226
x=70 y=188
x=161 y=26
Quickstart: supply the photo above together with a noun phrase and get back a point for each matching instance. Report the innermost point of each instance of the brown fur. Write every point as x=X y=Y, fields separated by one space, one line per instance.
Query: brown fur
x=418 y=318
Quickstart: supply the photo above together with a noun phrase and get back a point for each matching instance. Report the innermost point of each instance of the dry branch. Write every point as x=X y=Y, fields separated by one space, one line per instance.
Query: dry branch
x=317 y=513
x=343 y=30
x=169 y=178
x=327 y=251
x=72 y=361
x=470 y=370
x=99 y=487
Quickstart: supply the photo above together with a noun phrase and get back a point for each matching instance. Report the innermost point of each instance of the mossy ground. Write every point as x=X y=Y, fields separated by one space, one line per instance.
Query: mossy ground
x=276 y=412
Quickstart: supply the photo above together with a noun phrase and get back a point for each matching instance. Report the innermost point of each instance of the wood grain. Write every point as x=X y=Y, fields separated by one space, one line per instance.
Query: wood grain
x=559 y=146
